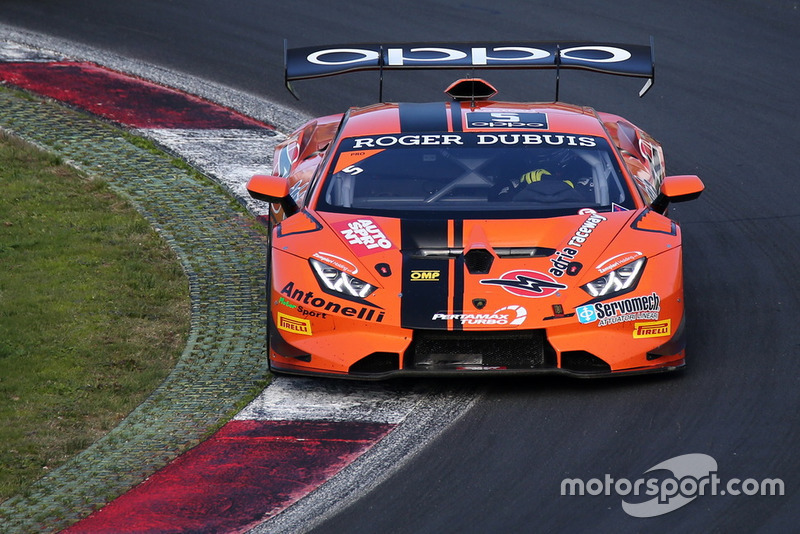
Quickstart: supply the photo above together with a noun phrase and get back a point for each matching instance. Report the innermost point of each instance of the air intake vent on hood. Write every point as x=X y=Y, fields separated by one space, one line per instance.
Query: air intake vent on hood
x=471 y=89
x=503 y=252
x=478 y=261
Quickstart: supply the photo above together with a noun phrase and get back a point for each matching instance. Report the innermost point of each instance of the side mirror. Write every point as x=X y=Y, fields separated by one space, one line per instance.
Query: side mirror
x=272 y=189
x=677 y=189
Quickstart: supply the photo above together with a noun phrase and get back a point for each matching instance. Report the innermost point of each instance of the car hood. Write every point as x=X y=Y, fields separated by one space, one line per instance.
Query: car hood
x=437 y=273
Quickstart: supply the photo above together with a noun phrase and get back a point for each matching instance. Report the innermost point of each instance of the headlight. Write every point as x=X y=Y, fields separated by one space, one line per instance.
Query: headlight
x=617 y=281
x=332 y=280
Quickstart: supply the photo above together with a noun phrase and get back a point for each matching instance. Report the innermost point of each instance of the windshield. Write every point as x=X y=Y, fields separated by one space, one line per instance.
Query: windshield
x=474 y=174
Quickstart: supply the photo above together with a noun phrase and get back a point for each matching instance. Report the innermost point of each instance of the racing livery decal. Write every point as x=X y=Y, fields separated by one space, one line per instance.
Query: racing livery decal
x=510 y=119
x=501 y=317
x=364 y=236
x=620 y=311
x=294 y=325
x=423 y=275
x=615 y=58
x=336 y=262
x=285 y=159
x=652 y=329
x=563 y=262
x=617 y=261
x=323 y=306
x=361 y=144
x=529 y=284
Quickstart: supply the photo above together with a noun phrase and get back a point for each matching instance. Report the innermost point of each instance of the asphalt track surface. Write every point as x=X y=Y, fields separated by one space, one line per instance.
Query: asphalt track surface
x=725 y=106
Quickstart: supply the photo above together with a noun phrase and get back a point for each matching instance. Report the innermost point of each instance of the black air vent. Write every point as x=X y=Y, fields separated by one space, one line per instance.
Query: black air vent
x=438 y=350
x=471 y=89
x=581 y=361
x=500 y=252
x=377 y=362
x=478 y=261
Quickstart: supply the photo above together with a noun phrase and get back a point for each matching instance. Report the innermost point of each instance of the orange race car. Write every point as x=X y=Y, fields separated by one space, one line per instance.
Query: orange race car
x=472 y=235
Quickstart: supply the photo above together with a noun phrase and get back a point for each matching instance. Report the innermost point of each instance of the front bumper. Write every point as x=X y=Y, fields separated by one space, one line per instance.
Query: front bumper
x=498 y=353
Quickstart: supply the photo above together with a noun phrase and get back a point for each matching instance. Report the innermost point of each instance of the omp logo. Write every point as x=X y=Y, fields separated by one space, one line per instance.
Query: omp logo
x=652 y=329
x=421 y=275
x=294 y=324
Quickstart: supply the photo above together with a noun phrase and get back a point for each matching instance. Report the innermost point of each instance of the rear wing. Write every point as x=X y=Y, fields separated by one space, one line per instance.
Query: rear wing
x=610 y=58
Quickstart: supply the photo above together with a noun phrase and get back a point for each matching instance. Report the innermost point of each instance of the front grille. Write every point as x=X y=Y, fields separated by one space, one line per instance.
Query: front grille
x=439 y=350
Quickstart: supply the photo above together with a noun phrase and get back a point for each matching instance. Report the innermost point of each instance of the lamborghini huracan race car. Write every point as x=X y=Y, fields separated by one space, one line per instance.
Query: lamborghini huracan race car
x=473 y=235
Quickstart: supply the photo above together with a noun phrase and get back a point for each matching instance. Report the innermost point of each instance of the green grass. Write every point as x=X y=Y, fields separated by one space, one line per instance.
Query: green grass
x=94 y=312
